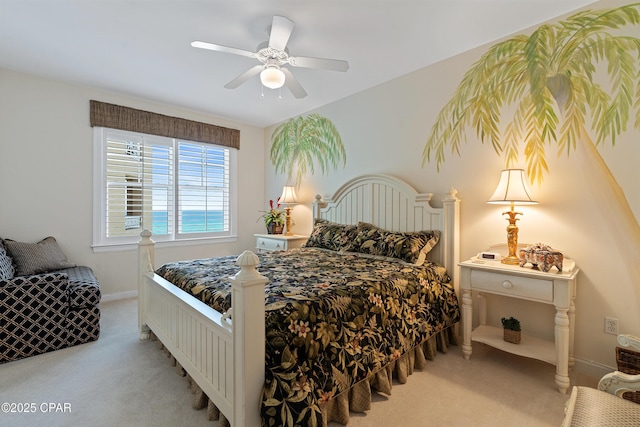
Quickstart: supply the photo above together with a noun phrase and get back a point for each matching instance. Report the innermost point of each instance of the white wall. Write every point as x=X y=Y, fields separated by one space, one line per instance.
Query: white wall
x=46 y=174
x=385 y=129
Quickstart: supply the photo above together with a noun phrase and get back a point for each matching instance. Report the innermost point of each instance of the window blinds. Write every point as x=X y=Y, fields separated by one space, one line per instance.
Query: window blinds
x=139 y=185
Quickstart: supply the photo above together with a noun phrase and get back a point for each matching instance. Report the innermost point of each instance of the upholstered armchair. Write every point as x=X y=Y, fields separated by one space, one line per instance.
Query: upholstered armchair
x=612 y=404
x=46 y=302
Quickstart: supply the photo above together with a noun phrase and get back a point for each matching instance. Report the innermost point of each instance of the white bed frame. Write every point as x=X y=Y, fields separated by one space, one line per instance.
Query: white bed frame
x=226 y=358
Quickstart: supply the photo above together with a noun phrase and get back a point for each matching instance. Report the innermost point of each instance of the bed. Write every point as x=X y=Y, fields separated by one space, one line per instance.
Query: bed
x=266 y=350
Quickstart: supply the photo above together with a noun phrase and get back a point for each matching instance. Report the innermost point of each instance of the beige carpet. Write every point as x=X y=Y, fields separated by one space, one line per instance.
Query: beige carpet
x=121 y=381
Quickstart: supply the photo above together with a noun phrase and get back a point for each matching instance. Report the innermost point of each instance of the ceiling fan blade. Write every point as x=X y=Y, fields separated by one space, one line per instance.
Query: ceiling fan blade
x=220 y=48
x=244 y=76
x=326 y=64
x=292 y=84
x=281 y=29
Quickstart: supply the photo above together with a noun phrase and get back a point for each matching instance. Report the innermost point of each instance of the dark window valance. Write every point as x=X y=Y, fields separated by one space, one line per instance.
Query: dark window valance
x=125 y=118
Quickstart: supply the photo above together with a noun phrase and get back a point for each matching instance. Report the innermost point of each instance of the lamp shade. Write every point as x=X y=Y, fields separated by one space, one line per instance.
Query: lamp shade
x=512 y=188
x=288 y=195
x=272 y=77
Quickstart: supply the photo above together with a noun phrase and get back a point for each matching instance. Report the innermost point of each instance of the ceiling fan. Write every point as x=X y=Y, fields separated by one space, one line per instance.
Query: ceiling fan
x=273 y=55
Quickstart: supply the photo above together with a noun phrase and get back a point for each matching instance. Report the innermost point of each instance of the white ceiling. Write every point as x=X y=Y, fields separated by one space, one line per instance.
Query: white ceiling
x=142 y=47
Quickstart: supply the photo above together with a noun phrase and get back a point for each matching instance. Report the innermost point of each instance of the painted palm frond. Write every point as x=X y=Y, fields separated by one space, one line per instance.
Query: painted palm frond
x=549 y=79
x=302 y=142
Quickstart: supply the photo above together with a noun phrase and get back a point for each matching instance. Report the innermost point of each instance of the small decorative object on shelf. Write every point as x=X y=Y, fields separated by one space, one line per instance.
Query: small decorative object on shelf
x=541 y=256
x=511 y=329
x=274 y=218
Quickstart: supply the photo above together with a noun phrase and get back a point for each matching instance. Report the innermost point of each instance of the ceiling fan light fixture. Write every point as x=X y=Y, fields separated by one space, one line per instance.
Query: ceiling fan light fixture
x=272 y=54
x=272 y=77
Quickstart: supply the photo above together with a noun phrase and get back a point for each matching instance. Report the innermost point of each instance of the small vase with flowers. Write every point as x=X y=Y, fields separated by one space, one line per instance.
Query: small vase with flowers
x=274 y=218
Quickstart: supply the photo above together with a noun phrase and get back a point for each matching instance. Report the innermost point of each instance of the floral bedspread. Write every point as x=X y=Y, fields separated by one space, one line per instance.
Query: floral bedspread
x=332 y=319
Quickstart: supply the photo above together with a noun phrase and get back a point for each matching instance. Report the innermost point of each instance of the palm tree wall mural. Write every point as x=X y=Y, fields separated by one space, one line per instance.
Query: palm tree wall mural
x=297 y=144
x=548 y=81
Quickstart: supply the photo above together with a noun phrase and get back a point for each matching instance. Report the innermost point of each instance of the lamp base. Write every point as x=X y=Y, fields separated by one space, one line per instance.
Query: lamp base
x=288 y=221
x=512 y=238
x=511 y=260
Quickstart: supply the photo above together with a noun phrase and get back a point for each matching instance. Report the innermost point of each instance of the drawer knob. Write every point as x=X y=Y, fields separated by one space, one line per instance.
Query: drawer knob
x=507 y=284
x=277 y=245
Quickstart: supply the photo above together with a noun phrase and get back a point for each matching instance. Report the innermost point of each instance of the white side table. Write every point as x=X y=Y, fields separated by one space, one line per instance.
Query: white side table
x=279 y=242
x=553 y=287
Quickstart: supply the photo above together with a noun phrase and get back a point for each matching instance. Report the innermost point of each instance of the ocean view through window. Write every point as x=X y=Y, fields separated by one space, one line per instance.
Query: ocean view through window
x=192 y=221
x=176 y=189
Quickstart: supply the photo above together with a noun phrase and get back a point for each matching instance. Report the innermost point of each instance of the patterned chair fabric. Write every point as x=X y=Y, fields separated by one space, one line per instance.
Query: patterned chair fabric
x=48 y=311
x=84 y=290
x=84 y=325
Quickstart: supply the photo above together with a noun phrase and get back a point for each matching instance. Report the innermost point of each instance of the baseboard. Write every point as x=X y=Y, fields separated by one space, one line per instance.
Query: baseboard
x=119 y=296
x=592 y=368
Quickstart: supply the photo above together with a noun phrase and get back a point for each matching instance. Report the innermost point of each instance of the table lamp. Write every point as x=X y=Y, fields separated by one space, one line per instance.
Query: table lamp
x=512 y=189
x=288 y=197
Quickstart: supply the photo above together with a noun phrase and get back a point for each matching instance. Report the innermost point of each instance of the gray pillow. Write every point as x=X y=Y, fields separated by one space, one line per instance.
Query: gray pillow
x=6 y=264
x=34 y=258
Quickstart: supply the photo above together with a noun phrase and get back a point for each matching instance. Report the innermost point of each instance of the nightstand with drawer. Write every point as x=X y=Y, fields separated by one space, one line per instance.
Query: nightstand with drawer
x=553 y=287
x=279 y=242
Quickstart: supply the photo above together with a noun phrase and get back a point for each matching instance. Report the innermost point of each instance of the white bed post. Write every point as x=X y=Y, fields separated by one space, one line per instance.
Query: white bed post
x=451 y=247
x=146 y=261
x=248 y=325
x=317 y=206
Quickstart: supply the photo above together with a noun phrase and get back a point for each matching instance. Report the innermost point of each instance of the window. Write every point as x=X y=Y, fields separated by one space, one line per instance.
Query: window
x=179 y=190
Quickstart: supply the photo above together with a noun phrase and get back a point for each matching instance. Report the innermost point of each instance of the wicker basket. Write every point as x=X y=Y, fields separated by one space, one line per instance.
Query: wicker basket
x=629 y=363
x=512 y=336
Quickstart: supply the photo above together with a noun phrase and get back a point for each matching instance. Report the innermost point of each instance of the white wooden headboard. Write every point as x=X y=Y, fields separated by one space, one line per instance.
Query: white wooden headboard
x=392 y=204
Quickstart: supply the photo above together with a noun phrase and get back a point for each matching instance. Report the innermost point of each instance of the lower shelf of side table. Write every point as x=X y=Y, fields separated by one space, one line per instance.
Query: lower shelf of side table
x=532 y=347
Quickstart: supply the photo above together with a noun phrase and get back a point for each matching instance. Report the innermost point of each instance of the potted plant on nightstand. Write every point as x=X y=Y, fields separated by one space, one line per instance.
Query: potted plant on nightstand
x=274 y=218
x=511 y=329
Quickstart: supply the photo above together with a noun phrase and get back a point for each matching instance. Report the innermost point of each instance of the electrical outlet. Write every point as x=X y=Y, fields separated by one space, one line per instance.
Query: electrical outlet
x=610 y=325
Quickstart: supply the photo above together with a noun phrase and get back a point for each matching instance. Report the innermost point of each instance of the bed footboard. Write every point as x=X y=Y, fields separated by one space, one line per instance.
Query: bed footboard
x=223 y=354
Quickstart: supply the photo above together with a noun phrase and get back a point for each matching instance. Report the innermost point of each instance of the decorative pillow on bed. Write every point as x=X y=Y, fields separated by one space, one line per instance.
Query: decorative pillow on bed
x=331 y=235
x=411 y=247
x=6 y=264
x=34 y=258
